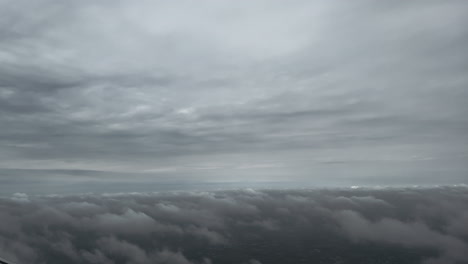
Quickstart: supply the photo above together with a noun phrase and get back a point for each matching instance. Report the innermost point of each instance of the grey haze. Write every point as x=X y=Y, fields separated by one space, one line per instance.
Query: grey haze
x=102 y=93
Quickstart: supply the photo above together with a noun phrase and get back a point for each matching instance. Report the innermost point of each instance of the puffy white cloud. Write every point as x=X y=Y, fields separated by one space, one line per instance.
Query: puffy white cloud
x=20 y=197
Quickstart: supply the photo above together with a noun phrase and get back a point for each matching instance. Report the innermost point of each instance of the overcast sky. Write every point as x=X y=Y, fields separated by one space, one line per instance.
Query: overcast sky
x=324 y=92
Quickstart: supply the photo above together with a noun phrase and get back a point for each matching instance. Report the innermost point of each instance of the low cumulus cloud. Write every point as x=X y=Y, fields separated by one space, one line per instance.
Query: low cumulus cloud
x=360 y=225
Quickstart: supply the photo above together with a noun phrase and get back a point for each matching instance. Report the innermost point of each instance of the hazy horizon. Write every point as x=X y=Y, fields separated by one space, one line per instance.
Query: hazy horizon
x=234 y=132
x=94 y=93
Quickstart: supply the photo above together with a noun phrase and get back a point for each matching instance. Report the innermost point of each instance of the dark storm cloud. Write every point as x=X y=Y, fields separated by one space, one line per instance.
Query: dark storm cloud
x=411 y=225
x=135 y=87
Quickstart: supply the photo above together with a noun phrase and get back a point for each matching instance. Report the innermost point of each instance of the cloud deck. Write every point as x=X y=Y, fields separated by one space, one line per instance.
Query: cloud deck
x=389 y=225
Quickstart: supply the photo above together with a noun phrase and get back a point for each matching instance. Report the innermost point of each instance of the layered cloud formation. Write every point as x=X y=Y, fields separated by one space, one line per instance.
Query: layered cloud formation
x=396 y=225
x=231 y=90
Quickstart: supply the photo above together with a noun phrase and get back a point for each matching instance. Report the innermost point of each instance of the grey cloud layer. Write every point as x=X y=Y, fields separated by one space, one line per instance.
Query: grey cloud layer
x=407 y=225
x=119 y=86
